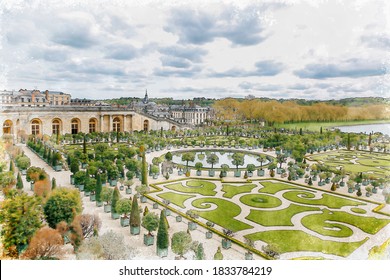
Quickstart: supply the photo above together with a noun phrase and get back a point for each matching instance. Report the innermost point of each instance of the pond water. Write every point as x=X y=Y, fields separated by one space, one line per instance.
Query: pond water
x=225 y=157
x=367 y=128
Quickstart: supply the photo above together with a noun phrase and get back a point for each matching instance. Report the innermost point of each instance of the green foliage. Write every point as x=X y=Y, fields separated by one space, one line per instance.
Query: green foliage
x=7 y=179
x=218 y=255
x=79 y=177
x=62 y=205
x=21 y=217
x=168 y=156
x=115 y=198
x=150 y=222
x=123 y=206
x=98 y=188
x=238 y=159
x=106 y=194
x=23 y=162
x=181 y=243
x=19 y=182
x=199 y=252
x=135 y=216
x=53 y=183
x=212 y=159
x=74 y=167
x=162 y=233
x=144 y=169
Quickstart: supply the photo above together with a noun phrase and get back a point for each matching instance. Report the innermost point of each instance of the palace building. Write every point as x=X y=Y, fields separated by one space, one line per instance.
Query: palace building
x=26 y=112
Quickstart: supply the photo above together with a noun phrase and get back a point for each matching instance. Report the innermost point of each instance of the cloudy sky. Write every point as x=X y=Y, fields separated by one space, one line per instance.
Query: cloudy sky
x=184 y=49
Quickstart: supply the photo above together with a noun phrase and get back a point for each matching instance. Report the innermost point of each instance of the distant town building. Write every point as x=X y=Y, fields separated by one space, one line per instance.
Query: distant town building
x=33 y=98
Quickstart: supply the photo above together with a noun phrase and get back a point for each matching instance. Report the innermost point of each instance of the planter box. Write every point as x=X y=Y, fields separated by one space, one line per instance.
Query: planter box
x=374 y=190
x=23 y=172
x=342 y=184
x=192 y=225
x=128 y=190
x=155 y=205
x=71 y=179
x=278 y=170
x=162 y=252
x=115 y=216
x=124 y=221
x=209 y=235
x=211 y=173
x=58 y=167
x=167 y=212
x=237 y=173
x=32 y=186
x=226 y=243
x=260 y=172
x=250 y=174
x=92 y=197
x=350 y=190
x=99 y=203
x=84 y=165
x=179 y=218
x=314 y=178
x=87 y=193
x=134 y=230
x=155 y=176
x=143 y=199
x=198 y=172
x=113 y=183
x=80 y=187
x=121 y=188
x=248 y=256
x=107 y=208
x=148 y=239
x=180 y=172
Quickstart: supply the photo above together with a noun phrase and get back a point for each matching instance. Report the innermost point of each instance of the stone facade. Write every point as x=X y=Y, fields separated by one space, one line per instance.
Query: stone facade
x=51 y=120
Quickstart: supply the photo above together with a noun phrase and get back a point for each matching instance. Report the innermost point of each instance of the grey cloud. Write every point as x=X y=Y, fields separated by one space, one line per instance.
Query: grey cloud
x=49 y=54
x=377 y=41
x=352 y=68
x=262 y=68
x=299 y=87
x=176 y=62
x=121 y=51
x=194 y=54
x=259 y=87
x=177 y=72
x=240 y=27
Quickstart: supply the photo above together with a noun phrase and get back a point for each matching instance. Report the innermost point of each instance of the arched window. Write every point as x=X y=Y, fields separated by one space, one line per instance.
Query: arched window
x=116 y=124
x=146 y=125
x=92 y=125
x=56 y=127
x=75 y=126
x=7 y=127
x=35 y=127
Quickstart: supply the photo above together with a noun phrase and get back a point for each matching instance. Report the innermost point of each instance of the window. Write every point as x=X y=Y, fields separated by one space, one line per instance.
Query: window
x=35 y=127
x=75 y=126
x=92 y=125
x=56 y=127
x=116 y=124
x=146 y=125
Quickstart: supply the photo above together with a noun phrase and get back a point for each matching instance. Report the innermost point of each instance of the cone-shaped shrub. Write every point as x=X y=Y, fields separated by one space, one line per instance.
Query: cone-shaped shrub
x=135 y=217
x=53 y=183
x=19 y=182
x=98 y=189
x=162 y=233
x=115 y=198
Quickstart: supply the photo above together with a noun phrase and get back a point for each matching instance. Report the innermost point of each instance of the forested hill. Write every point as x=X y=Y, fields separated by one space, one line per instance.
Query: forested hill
x=202 y=101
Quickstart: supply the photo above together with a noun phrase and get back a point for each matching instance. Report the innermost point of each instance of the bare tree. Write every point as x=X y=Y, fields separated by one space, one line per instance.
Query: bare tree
x=45 y=244
x=90 y=224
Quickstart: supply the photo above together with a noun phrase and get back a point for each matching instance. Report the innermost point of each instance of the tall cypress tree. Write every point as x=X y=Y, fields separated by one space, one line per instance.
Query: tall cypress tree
x=162 y=233
x=144 y=167
x=53 y=183
x=11 y=166
x=135 y=217
x=115 y=198
x=98 y=189
x=19 y=182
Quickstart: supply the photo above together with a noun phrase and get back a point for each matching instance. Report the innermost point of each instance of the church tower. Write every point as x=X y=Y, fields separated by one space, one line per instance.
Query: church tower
x=146 y=98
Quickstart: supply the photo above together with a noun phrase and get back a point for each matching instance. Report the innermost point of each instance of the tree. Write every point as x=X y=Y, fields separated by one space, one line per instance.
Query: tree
x=45 y=244
x=42 y=187
x=62 y=205
x=150 y=222
x=98 y=188
x=74 y=167
x=135 y=217
x=115 y=198
x=144 y=167
x=181 y=243
x=212 y=159
x=109 y=246
x=19 y=182
x=162 y=233
x=168 y=156
x=199 y=252
x=261 y=159
x=53 y=183
x=238 y=159
x=198 y=166
x=21 y=217
x=106 y=194
x=188 y=157
x=7 y=179
x=88 y=223
x=218 y=255
x=123 y=206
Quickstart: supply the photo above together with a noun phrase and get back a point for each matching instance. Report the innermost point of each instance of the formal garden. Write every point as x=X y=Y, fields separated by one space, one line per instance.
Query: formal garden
x=270 y=193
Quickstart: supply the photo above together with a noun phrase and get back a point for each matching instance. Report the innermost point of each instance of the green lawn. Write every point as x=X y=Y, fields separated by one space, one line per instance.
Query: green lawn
x=176 y=198
x=278 y=217
x=273 y=188
x=327 y=200
x=194 y=186
x=321 y=222
x=232 y=190
x=358 y=210
x=295 y=240
x=223 y=215
x=261 y=201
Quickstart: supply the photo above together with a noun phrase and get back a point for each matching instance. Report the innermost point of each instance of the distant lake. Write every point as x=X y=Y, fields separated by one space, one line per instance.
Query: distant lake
x=366 y=128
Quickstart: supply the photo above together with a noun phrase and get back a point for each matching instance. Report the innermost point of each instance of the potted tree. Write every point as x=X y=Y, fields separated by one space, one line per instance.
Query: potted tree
x=209 y=233
x=198 y=167
x=79 y=179
x=250 y=244
x=128 y=184
x=226 y=242
x=141 y=191
x=192 y=225
x=115 y=198
x=181 y=243
x=150 y=223
x=91 y=187
x=135 y=217
x=123 y=207
x=106 y=196
x=237 y=160
x=250 y=168
x=155 y=170
x=162 y=236
x=224 y=169
x=98 y=191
